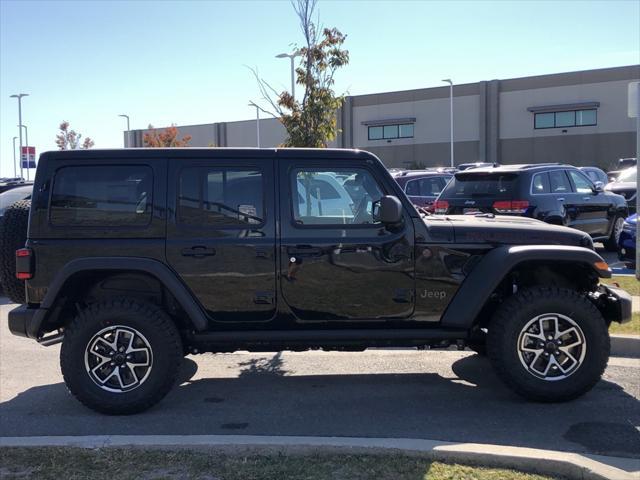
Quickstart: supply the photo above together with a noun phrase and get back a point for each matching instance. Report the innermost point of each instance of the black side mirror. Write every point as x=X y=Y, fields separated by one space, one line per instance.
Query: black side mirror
x=387 y=210
x=598 y=187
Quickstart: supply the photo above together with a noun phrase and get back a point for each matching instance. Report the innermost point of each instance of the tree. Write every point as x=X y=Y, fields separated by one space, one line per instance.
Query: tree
x=70 y=140
x=167 y=138
x=310 y=122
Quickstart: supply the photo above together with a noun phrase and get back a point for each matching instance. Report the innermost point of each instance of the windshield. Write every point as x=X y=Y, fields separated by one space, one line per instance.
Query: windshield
x=629 y=175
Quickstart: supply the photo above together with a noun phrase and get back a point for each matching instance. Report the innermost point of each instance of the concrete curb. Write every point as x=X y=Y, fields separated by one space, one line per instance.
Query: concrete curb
x=546 y=462
x=625 y=346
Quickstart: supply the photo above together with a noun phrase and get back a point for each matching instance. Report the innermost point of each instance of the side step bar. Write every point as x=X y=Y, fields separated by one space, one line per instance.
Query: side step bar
x=414 y=335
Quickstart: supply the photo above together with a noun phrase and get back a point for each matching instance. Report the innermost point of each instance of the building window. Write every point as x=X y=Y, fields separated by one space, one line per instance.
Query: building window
x=387 y=132
x=572 y=118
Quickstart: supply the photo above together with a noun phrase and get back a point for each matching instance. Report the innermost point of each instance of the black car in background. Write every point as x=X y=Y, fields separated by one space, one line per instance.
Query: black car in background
x=554 y=193
x=626 y=185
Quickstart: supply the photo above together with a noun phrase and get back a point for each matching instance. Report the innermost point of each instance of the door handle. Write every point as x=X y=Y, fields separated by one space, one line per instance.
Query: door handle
x=561 y=199
x=304 y=251
x=586 y=198
x=199 y=251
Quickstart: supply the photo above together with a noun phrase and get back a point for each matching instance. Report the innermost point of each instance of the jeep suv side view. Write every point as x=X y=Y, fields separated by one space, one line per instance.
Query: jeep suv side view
x=136 y=258
x=554 y=193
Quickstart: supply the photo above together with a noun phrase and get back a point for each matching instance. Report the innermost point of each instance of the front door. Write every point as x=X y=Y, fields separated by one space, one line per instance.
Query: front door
x=221 y=235
x=592 y=206
x=337 y=263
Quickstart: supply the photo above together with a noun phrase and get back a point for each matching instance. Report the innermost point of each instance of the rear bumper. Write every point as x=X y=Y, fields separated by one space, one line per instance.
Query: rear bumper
x=25 y=321
x=614 y=303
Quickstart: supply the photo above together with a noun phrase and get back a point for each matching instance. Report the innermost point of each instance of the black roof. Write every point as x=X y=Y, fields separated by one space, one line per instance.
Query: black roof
x=216 y=152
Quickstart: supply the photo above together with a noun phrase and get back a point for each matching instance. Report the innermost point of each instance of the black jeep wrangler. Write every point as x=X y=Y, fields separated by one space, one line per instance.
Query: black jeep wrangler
x=136 y=258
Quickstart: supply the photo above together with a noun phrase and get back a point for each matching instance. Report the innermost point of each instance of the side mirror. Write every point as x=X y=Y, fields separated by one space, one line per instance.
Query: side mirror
x=598 y=187
x=387 y=210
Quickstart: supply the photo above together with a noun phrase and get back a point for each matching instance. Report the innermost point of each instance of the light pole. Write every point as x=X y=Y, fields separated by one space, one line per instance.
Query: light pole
x=15 y=171
x=291 y=56
x=19 y=97
x=448 y=80
x=128 y=129
x=251 y=104
x=26 y=139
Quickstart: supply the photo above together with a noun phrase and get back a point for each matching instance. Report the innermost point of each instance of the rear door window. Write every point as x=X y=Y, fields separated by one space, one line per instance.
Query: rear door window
x=220 y=197
x=102 y=196
x=559 y=182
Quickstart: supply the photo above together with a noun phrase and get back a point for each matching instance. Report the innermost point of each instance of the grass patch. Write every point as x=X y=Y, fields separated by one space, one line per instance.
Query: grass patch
x=631 y=328
x=146 y=464
x=630 y=284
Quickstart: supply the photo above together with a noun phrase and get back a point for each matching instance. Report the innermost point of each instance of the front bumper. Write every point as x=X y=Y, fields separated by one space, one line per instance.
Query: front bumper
x=25 y=321
x=614 y=303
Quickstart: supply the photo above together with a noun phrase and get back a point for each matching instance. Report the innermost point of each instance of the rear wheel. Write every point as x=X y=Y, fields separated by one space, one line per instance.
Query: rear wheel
x=121 y=356
x=548 y=344
x=13 y=235
x=611 y=244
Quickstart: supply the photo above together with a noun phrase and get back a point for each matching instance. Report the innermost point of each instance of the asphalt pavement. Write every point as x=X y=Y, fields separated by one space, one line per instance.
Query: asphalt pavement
x=438 y=395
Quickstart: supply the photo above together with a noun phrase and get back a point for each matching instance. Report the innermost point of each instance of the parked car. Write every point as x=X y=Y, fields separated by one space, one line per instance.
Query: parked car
x=626 y=185
x=9 y=197
x=595 y=174
x=554 y=193
x=11 y=183
x=113 y=272
x=422 y=187
x=467 y=166
x=628 y=241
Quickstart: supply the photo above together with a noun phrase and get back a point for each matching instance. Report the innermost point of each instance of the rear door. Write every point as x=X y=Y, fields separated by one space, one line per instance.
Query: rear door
x=476 y=192
x=221 y=235
x=337 y=263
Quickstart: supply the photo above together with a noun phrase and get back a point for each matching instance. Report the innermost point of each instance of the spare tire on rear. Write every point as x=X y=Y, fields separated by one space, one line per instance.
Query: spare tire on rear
x=13 y=235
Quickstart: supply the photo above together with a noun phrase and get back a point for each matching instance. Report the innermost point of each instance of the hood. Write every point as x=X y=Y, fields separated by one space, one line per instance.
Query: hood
x=510 y=230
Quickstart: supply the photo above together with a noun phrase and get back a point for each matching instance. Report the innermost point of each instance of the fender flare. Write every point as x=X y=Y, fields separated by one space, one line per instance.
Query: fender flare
x=485 y=277
x=155 y=268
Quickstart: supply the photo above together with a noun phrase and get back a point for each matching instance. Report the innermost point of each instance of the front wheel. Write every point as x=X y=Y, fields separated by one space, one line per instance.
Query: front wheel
x=121 y=356
x=548 y=344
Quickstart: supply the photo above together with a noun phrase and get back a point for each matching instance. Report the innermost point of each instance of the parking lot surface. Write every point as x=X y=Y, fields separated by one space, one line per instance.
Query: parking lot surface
x=450 y=395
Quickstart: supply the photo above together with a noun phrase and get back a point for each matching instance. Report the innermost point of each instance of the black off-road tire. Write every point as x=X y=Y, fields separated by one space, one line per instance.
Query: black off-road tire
x=611 y=243
x=149 y=320
x=13 y=235
x=514 y=314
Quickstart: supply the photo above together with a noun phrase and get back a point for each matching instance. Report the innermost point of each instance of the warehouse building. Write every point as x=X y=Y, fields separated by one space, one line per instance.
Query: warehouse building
x=576 y=117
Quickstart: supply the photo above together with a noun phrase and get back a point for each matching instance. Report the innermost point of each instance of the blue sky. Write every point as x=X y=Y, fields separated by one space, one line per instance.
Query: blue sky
x=185 y=62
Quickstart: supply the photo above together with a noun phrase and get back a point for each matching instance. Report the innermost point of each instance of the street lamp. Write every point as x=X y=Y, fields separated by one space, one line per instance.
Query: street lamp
x=291 y=56
x=15 y=172
x=128 y=129
x=19 y=97
x=251 y=104
x=26 y=139
x=448 y=80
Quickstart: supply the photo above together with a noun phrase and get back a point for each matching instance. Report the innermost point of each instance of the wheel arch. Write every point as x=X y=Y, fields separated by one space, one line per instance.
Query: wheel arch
x=97 y=276
x=494 y=275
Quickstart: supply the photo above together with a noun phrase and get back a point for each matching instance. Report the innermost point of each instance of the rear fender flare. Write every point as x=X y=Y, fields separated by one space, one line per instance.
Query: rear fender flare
x=155 y=268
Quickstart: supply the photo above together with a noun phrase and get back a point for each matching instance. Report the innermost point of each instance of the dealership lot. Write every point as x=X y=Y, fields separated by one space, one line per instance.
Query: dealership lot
x=450 y=395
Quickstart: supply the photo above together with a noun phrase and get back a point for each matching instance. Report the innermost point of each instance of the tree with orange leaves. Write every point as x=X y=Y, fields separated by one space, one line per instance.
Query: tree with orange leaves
x=167 y=138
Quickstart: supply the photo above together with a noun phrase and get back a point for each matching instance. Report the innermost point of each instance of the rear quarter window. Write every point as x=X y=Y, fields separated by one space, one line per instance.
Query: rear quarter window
x=102 y=196
x=498 y=185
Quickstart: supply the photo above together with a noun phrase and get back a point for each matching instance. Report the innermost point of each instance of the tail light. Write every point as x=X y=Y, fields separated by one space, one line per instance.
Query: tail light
x=24 y=264
x=511 y=206
x=441 y=206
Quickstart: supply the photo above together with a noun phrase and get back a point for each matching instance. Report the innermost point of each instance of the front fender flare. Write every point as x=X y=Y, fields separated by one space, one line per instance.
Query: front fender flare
x=485 y=277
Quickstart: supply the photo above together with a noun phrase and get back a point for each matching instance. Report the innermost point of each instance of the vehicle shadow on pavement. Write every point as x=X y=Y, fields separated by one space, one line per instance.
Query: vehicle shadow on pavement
x=264 y=399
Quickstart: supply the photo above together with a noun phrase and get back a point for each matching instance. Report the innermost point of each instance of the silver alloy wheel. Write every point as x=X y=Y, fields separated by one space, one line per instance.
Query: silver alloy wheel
x=118 y=359
x=551 y=346
x=617 y=228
